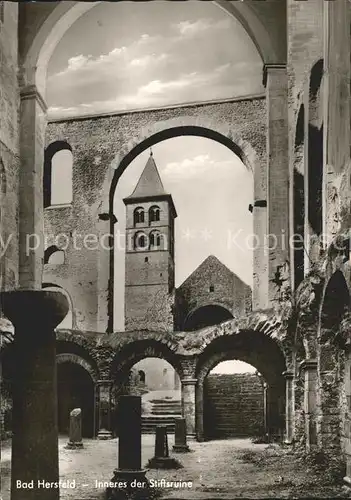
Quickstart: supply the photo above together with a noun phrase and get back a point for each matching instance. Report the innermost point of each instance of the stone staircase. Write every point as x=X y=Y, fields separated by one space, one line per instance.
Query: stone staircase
x=163 y=412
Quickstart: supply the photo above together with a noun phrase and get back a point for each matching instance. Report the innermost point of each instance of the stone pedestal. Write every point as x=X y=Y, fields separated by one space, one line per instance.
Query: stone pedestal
x=104 y=388
x=75 y=429
x=162 y=460
x=34 y=314
x=309 y=367
x=180 y=445
x=188 y=405
x=129 y=451
x=289 y=407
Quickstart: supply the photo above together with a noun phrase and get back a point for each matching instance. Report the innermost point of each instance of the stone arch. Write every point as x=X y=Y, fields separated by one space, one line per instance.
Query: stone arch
x=257 y=349
x=79 y=347
x=76 y=380
x=132 y=352
x=67 y=357
x=218 y=312
x=335 y=305
x=64 y=15
x=161 y=131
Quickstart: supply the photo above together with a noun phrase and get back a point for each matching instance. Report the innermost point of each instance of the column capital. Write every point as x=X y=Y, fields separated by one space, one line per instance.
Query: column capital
x=30 y=308
x=268 y=67
x=308 y=364
x=288 y=375
x=189 y=381
x=104 y=382
x=31 y=92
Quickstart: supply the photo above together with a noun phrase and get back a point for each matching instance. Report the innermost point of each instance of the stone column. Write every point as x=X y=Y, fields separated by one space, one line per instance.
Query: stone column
x=104 y=388
x=265 y=418
x=199 y=411
x=188 y=405
x=309 y=367
x=289 y=407
x=276 y=83
x=129 y=451
x=35 y=314
x=31 y=216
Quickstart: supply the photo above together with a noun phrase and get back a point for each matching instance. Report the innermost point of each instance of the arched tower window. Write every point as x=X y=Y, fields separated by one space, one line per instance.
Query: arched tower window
x=54 y=255
x=155 y=240
x=140 y=241
x=154 y=214
x=139 y=216
x=58 y=171
x=142 y=376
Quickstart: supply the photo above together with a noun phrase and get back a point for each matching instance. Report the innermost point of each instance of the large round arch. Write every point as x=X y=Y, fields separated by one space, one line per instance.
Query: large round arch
x=171 y=129
x=258 y=350
x=206 y=315
x=64 y=14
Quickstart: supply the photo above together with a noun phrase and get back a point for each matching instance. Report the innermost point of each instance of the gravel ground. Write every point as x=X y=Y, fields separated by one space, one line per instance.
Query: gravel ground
x=223 y=469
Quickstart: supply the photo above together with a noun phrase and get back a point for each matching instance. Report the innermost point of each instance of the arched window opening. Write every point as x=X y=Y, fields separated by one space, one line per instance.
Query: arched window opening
x=140 y=241
x=154 y=214
x=58 y=172
x=155 y=240
x=54 y=255
x=142 y=376
x=139 y=216
x=211 y=288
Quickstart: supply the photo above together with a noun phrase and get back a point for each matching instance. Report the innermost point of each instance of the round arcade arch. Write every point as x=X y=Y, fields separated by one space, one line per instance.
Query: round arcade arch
x=261 y=352
x=65 y=14
x=206 y=315
x=128 y=356
x=242 y=149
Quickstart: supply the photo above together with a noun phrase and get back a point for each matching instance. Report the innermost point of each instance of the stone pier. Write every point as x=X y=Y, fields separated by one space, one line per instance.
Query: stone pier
x=188 y=405
x=129 y=451
x=34 y=314
x=180 y=445
x=309 y=367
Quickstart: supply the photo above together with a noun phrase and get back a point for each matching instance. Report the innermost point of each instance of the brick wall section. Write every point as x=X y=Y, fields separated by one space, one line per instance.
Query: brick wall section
x=228 y=291
x=9 y=145
x=101 y=142
x=233 y=405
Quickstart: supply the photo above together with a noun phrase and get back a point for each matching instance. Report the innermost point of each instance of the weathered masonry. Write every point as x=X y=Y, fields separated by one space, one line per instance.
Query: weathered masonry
x=295 y=140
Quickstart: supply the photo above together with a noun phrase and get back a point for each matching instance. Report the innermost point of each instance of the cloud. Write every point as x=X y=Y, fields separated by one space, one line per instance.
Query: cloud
x=190 y=29
x=196 y=166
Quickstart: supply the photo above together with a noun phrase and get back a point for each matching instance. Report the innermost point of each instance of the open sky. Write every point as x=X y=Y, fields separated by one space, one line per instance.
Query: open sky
x=211 y=190
x=127 y=55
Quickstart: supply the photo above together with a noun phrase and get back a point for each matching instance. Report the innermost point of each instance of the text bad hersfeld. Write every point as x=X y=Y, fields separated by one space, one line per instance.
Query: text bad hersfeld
x=43 y=484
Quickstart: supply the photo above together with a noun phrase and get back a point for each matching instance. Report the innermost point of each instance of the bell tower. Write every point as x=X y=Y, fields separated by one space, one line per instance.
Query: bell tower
x=149 y=260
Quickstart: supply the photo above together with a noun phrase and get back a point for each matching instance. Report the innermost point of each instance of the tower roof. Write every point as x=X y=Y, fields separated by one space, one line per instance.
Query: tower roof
x=150 y=183
x=150 y=187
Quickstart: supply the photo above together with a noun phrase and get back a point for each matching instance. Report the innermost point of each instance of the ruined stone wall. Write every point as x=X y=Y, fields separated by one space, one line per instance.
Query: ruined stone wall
x=212 y=283
x=233 y=405
x=98 y=145
x=9 y=144
x=338 y=170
